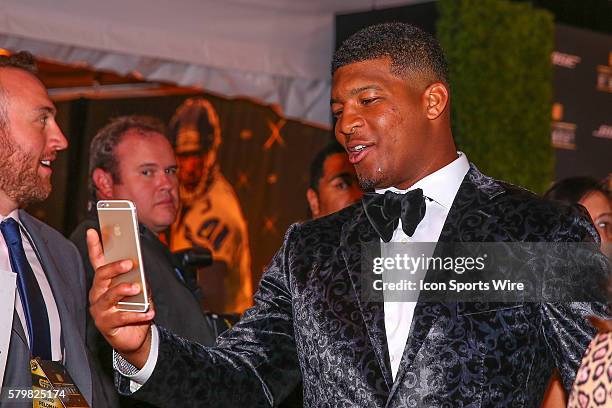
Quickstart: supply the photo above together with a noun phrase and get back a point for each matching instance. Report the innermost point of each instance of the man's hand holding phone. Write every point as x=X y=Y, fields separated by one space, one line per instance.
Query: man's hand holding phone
x=128 y=333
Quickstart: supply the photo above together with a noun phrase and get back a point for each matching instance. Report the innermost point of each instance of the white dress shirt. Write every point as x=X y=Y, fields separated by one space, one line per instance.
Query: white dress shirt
x=5 y=265
x=439 y=189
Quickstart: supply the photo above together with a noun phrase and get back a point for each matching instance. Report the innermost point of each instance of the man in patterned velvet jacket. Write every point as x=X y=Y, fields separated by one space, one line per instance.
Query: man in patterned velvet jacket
x=390 y=97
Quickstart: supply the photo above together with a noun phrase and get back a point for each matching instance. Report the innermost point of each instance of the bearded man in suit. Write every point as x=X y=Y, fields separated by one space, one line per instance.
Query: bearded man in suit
x=50 y=302
x=390 y=98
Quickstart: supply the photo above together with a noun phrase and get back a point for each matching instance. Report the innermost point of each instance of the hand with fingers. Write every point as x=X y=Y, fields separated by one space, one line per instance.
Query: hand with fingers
x=128 y=333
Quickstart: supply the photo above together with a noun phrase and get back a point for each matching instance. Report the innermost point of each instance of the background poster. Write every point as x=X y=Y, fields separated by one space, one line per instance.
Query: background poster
x=264 y=156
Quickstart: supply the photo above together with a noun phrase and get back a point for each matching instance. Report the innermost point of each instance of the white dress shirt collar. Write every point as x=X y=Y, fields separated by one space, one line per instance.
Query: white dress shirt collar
x=13 y=214
x=442 y=185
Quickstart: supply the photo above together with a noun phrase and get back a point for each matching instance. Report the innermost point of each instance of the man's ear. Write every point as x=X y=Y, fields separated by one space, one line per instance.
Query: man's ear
x=103 y=181
x=313 y=202
x=437 y=98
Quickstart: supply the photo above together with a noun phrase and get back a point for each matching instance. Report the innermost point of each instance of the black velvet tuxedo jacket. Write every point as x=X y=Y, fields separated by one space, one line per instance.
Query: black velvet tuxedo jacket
x=309 y=323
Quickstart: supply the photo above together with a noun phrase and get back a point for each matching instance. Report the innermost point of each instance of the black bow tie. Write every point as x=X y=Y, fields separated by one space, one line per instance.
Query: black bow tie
x=385 y=210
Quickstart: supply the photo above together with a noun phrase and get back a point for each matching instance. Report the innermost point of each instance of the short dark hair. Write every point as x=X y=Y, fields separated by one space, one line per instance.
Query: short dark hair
x=409 y=48
x=316 y=166
x=573 y=189
x=20 y=60
x=104 y=143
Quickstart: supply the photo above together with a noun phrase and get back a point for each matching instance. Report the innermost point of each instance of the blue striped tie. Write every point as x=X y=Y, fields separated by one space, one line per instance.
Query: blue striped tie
x=31 y=296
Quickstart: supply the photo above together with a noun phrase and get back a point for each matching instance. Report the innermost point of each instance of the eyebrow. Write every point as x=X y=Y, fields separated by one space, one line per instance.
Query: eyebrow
x=355 y=91
x=47 y=109
x=344 y=175
x=149 y=165
x=172 y=166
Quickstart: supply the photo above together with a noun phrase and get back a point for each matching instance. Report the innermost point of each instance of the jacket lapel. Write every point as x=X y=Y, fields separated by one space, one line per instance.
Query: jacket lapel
x=72 y=343
x=357 y=234
x=18 y=329
x=469 y=215
x=465 y=223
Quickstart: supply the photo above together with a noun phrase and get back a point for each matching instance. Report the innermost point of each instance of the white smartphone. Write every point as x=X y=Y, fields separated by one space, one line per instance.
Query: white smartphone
x=120 y=240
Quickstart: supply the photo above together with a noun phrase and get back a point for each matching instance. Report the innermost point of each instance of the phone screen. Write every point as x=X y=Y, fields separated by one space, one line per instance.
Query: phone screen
x=120 y=240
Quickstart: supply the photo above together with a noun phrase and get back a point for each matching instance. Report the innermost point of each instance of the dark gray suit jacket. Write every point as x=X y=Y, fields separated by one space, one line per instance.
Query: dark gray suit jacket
x=62 y=265
x=309 y=322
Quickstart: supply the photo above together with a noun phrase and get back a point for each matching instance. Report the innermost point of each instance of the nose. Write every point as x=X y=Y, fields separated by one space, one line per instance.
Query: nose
x=187 y=164
x=167 y=181
x=350 y=122
x=57 y=140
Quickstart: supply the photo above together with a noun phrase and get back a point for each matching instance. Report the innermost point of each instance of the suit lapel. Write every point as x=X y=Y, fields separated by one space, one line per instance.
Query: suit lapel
x=356 y=234
x=47 y=262
x=18 y=329
x=463 y=224
x=73 y=347
x=466 y=221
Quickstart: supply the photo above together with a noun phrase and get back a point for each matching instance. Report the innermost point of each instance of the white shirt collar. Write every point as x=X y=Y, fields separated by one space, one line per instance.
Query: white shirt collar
x=13 y=214
x=442 y=185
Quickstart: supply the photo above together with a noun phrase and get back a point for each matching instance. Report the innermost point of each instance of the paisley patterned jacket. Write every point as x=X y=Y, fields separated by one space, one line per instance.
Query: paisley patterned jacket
x=309 y=323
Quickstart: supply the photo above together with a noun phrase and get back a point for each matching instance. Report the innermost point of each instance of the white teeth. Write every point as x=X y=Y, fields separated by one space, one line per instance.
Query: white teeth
x=359 y=148
x=46 y=162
